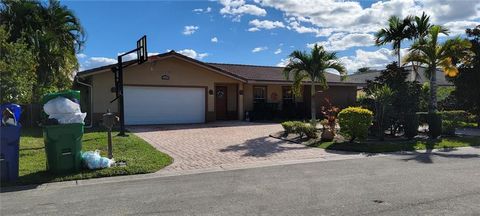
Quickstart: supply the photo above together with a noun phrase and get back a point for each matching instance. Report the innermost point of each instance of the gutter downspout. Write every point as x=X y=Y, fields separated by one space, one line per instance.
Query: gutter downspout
x=77 y=79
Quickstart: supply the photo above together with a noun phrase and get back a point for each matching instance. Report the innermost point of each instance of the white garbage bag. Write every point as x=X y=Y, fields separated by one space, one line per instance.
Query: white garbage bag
x=64 y=110
x=93 y=160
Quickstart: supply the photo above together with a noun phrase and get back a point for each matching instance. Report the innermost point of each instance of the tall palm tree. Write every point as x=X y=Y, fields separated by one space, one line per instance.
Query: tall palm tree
x=397 y=31
x=312 y=66
x=52 y=32
x=419 y=29
x=432 y=54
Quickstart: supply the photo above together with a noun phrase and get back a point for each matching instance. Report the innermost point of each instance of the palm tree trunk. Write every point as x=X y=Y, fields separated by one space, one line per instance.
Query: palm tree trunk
x=398 y=53
x=313 y=104
x=433 y=90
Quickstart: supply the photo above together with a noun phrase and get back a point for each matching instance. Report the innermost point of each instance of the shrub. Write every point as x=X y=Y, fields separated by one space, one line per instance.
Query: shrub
x=288 y=127
x=300 y=128
x=411 y=125
x=448 y=127
x=355 y=121
x=422 y=118
x=453 y=119
x=434 y=125
x=307 y=130
x=455 y=115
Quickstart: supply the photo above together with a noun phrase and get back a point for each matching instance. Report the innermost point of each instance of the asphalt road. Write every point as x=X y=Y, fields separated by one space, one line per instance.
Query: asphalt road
x=443 y=183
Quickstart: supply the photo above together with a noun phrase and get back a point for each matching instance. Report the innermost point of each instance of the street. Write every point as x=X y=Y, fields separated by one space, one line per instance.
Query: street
x=438 y=183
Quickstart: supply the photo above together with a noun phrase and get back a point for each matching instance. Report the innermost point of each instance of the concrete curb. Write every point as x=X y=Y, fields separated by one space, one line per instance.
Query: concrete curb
x=221 y=168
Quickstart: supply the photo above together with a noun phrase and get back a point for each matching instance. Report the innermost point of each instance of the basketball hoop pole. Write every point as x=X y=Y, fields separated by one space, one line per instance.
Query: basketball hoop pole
x=142 y=56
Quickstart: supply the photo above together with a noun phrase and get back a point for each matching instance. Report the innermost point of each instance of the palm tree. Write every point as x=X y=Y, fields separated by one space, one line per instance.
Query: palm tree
x=52 y=32
x=397 y=31
x=312 y=66
x=432 y=54
x=419 y=29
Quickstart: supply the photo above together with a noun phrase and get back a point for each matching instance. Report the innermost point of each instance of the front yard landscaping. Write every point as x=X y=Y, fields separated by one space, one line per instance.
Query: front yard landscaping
x=400 y=144
x=140 y=157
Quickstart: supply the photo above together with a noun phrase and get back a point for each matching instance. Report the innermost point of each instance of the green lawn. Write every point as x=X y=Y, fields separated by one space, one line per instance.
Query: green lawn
x=373 y=146
x=140 y=156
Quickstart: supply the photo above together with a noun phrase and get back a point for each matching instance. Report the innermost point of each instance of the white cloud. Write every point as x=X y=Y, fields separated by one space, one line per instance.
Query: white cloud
x=201 y=10
x=81 y=56
x=253 y=29
x=214 y=40
x=188 y=30
x=237 y=8
x=459 y=27
x=259 y=49
x=329 y=16
x=372 y=59
x=94 y=62
x=265 y=24
x=342 y=41
x=193 y=54
x=444 y=11
x=132 y=56
x=278 y=51
x=296 y=26
x=283 y=62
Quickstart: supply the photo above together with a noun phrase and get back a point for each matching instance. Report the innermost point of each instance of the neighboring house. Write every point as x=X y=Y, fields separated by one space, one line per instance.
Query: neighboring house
x=171 y=88
x=420 y=76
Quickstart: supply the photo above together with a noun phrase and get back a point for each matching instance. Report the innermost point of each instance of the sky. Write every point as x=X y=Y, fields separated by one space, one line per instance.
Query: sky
x=258 y=32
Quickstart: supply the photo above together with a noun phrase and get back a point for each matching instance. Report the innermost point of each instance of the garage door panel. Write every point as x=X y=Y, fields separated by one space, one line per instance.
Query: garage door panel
x=164 y=105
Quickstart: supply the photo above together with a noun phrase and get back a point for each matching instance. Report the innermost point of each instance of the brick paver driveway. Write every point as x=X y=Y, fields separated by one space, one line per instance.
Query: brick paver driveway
x=224 y=143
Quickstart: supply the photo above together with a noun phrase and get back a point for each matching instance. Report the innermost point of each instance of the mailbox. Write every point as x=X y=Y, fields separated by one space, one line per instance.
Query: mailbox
x=109 y=120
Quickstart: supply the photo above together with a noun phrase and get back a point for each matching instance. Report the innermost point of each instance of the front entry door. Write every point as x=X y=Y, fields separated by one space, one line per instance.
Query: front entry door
x=221 y=102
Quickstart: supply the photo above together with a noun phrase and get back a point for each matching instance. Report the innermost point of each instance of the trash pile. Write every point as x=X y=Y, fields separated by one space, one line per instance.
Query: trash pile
x=93 y=160
x=9 y=118
x=63 y=111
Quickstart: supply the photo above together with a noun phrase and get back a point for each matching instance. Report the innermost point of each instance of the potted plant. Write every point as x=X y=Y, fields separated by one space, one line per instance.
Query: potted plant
x=329 y=122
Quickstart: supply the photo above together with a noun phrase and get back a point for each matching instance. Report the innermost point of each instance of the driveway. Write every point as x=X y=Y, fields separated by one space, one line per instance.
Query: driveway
x=222 y=144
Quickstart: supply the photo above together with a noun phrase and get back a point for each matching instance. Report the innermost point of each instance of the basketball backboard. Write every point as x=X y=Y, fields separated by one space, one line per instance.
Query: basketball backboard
x=142 y=55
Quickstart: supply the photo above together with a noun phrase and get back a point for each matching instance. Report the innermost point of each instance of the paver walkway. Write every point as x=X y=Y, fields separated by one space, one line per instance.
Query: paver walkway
x=225 y=144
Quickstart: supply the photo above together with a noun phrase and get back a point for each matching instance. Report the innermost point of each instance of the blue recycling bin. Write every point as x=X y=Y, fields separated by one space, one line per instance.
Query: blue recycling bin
x=9 y=140
x=15 y=108
x=9 y=144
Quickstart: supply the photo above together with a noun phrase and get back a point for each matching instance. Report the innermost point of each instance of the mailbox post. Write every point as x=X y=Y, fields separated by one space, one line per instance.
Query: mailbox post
x=109 y=120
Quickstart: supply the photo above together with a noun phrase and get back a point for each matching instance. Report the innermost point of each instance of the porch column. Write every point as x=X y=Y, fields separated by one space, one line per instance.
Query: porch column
x=240 y=102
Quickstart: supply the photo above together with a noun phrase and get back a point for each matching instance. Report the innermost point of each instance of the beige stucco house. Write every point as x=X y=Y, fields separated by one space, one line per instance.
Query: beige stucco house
x=171 y=88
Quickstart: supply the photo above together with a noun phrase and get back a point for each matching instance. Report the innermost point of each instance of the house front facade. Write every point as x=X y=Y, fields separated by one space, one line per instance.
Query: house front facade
x=171 y=88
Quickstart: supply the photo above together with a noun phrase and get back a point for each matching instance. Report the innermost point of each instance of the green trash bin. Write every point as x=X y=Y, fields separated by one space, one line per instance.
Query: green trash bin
x=63 y=143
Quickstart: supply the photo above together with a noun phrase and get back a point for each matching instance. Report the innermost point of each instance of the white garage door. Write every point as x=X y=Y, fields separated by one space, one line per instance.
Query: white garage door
x=164 y=105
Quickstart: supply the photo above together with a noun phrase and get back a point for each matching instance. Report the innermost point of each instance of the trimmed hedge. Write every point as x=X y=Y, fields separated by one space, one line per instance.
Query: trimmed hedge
x=434 y=125
x=300 y=128
x=288 y=127
x=355 y=121
x=411 y=125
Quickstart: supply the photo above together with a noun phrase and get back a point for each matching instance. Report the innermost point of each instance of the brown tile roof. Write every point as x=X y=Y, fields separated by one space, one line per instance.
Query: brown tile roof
x=244 y=72
x=263 y=73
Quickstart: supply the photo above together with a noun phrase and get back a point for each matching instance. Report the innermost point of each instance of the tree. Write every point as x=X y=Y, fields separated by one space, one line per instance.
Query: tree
x=397 y=31
x=17 y=70
x=54 y=35
x=467 y=88
x=362 y=70
x=432 y=54
x=405 y=96
x=312 y=66
x=383 y=100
